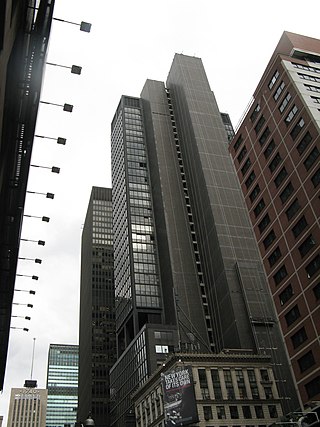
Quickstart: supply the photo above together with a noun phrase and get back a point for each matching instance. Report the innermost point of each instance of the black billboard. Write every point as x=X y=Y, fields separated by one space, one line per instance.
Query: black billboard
x=179 y=401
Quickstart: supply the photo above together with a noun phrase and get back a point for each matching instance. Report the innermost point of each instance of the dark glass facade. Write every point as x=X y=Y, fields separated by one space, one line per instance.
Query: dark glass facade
x=97 y=347
x=211 y=284
x=62 y=385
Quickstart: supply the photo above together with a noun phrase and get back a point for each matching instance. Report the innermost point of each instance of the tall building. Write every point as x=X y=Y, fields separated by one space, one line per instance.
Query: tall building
x=276 y=154
x=188 y=276
x=24 y=37
x=27 y=406
x=62 y=385
x=96 y=334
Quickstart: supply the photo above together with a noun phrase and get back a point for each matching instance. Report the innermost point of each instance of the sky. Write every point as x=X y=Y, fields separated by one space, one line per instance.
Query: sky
x=130 y=41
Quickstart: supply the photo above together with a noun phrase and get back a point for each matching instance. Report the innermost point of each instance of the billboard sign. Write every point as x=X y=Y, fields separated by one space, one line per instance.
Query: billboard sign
x=179 y=401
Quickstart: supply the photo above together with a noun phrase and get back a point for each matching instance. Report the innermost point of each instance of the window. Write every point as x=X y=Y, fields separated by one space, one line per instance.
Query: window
x=234 y=412
x=306 y=361
x=267 y=152
x=286 y=193
x=280 y=177
x=258 y=209
x=255 y=113
x=259 y=411
x=259 y=124
x=203 y=384
x=313 y=266
x=299 y=338
x=264 y=223
x=305 y=67
x=306 y=246
x=275 y=161
x=273 y=79
x=312 y=88
x=299 y=227
x=207 y=412
x=273 y=411
x=313 y=387
x=246 y=412
x=254 y=193
x=264 y=136
x=316 y=291
x=315 y=99
x=305 y=141
x=308 y=77
x=241 y=384
x=285 y=102
x=293 y=209
x=297 y=129
x=274 y=257
x=316 y=178
x=292 y=315
x=280 y=275
x=269 y=239
x=279 y=91
x=268 y=392
x=264 y=375
x=238 y=143
x=242 y=154
x=286 y=295
x=311 y=158
x=291 y=115
x=253 y=384
x=228 y=384
x=216 y=384
x=221 y=412
x=246 y=166
x=250 y=179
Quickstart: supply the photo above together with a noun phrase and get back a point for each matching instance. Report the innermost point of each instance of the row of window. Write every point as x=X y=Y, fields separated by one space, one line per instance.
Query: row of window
x=247 y=412
x=311 y=269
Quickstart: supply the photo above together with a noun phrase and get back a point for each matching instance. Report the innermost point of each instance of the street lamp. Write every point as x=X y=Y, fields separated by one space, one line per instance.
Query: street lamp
x=36 y=260
x=23 y=290
x=26 y=275
x=40 y=242
x=75 y=69
x=54 y=169
x=19 y=303
x=43 y=218
x=23 y=329
x=23 y=317
x=48 y=195
x=59 y=140
x=66 y=107
x=84 y=26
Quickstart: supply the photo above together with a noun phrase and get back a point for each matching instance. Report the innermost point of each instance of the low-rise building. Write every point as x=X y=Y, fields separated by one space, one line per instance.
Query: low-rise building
x=206 y=390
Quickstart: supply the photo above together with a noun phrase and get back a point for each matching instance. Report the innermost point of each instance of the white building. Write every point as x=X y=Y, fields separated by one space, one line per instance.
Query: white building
x=28 y=406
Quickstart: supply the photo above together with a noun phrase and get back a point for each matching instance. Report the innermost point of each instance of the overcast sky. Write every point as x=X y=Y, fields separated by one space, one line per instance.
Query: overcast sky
x=130 y=41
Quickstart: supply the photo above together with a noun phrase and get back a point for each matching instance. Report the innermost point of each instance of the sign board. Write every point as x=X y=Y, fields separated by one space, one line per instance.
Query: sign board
x=179 y=402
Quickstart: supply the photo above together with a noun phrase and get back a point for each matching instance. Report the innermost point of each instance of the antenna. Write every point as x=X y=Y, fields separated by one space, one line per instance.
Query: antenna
x=34 y=344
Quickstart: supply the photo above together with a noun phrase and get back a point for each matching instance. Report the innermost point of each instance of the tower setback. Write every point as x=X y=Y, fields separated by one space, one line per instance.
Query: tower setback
x=188 y=275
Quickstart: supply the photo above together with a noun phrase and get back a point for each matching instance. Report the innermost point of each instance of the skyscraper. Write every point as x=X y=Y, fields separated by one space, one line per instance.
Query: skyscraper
x=62 y=385
x=24 y=37
x=276 y=154
x=187 y=273
x=96 y=334
x=27 y=406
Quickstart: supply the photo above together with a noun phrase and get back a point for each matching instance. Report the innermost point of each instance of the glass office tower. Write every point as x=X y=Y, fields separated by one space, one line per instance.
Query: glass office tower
x=62 y=385
x=97 y=347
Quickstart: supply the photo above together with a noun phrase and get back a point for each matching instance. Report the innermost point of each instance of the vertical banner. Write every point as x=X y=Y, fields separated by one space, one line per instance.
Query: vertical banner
x=179 y=401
